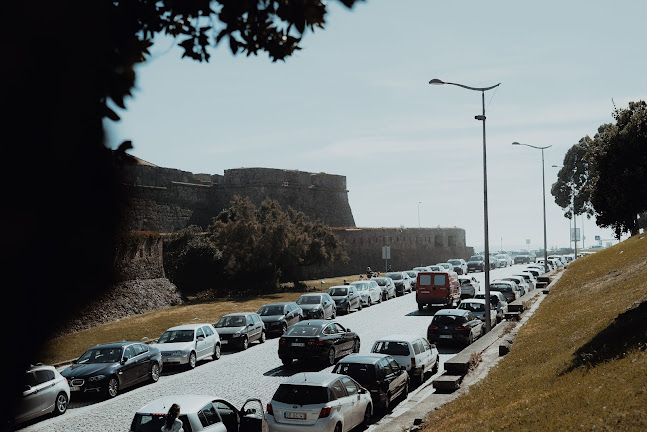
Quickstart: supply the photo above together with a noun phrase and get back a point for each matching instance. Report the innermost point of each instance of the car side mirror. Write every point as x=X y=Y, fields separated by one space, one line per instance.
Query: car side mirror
x=362 y=390
x=200 y=338
x=27 y=387
x=403 y=368
x=75 y=361
x=347 y=329
x=124 y=360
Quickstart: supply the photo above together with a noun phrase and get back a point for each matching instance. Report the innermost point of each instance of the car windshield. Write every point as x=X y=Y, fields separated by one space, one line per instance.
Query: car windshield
x=394 y=276
x=301 y=395
x=476 y=258
x=310 y=299
x=271 y=310
x=361 y=286
x=336 y=292
x=437 y=268
x=380 y=282
x=393 y=348
x=363 y=374
x=472 y=307
x=100 y=355
x=412 y=274
x=231 y=321
x=445 y=320
x=465 y=282
x=454 y=262
x=172 y=336
x=303 y=330
x=154 y=422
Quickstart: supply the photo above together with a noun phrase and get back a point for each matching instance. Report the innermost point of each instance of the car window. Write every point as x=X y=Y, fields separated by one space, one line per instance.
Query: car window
x=384 y=364
x=394 y=365
x=154 y=422
x=392 y=348
x=42 y=376
x=440 y=279
x=424 y=280
x=426 y=344
x=417 y=347
x=338 y=291
x=199 y=333
x=339 y=328
x=256 y=318
x=250 y=321
x=353 y=290
x=129 y=352
x=338 y=390
x=303 y=330
x=330 y=329
x=446 y=320
x=140 y=349
x=207 y=331
x=208 y=415
x=350 y=385
x=309 y=299
x=298 y=394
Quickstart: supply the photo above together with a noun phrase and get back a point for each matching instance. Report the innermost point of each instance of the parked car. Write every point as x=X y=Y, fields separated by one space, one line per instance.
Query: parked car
x=529 y=277
x=187 y=344
x=437 y=288
x=534 y=271
x=507 y=288
x=380 y=374
x=345 y=297
x=238 y=330
x=317 y=306
x=445 y=267
x=459 y=265
x=454 y=325
x=476 y=263
x=319 y=401
x=200 y=413
x=559 y=258
x=402 y=281
x=521 y=284
x=557 y=263
x=498 y=300
x=549 y=264
x=46 y=392
x=106 y=369
x=506 y=258
x=317 y=339
x=469 y=286
x=477 y=307
x=387 y=286
x=369 y=292
x=413 y=274
x=414 y=353
x=496 y=262
x=279 y=317
x=522 y=258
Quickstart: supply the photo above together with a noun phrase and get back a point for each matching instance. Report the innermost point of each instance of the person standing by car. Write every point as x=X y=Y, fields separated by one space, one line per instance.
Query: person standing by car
x=171 y=422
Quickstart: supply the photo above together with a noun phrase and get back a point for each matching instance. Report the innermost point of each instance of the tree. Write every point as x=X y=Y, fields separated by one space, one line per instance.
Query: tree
x=263 y=246
x=571 y=190
x=618 y=161
x=63 y=62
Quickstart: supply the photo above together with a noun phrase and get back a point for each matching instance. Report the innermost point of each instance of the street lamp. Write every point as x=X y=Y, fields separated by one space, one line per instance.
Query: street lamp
x=573 y=234
x=419 y=202
x=543 y=185
x=485 y=215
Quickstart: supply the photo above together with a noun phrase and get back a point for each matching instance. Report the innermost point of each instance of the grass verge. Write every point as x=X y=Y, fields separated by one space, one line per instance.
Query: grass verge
x=153 y=324
x=580 y=363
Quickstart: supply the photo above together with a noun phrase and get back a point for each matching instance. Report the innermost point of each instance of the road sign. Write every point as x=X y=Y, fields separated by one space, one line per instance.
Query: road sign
x=386 y=252
x=575 y=234
x=527 y=241
x=597 y=238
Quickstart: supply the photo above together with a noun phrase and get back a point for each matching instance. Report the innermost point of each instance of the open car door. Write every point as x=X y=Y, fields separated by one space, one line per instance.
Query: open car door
x=252 y=416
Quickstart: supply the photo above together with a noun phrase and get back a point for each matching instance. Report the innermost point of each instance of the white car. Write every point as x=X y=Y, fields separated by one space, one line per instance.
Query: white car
x=530 y=278
x=459 y=266
x=477 y=307
x=448 y=267
x=200 y=413
x=469 y=286
x=319 y=401
x=497 y=299
x=46 y=391
x=505 y=257
x=413 y=352
x=521 y=283
x=508 y=288
x=369 y=291
x=187 y=344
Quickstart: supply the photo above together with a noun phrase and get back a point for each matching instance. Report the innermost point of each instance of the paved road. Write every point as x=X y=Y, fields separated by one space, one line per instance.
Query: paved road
x=237 y=376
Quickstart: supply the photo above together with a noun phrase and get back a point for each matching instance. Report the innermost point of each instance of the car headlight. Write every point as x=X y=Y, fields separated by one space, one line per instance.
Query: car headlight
x=178 y=353
x=96 y=378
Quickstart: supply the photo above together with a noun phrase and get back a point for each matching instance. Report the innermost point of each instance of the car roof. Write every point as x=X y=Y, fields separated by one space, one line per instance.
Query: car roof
x=314 y=323
x=451 y=312
x=41 y=367
x=473 y=300
x=398 y=338
x=115 y=344
x=278 y=303
x=239 y=314
x=502 y=281
x=188 y=404
x=315 y=379
x=188 y=326
x=368 y=358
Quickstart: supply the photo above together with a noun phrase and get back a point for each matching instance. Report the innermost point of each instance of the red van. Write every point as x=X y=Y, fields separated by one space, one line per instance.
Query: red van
x=437 y=288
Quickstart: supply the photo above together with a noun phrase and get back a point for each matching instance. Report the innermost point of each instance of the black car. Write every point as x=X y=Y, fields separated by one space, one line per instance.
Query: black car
x=238 y=330
x=476 y=263
x=321 y=340
x=317 y=306
x=522 y=258
x=346 y=298
x=402 y=282
x=378 y=373
x=279 y=317
x=455 y=325
x=106 y=369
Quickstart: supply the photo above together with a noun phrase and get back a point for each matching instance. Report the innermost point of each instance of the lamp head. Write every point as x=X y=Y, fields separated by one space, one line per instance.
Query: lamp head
x=436 y=81
x=515 y=143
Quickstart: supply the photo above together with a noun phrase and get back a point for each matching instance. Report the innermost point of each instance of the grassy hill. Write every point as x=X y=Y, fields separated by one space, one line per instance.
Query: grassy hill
x=580 y=363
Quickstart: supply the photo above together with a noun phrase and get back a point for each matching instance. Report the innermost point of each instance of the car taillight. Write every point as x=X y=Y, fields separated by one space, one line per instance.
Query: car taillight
x=269 y=410
x=325 y=412
x=281 y=341
x=317 y=342
x=461 y=328
x=413 y=362
x=432 y=327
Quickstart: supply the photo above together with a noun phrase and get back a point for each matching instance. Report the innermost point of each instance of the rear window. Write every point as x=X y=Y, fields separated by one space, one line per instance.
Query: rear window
x=447 y=320
x=394 y=276
x=302 y=395
x=154 y=423
x=501 y=287
x=304 y=330
x=338 y=291
x=362 y=373
x=440 y=279
x=392 y=348
x=424 y=279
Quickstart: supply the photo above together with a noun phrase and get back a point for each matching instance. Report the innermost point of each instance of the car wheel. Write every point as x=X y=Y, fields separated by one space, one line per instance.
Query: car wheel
x=263 y=337
x=216 y=352
x=405 y=392
x=387 y=403
x=192 y=360
x=420 y=307
x=369 y=301
x=155 y=372
x=359 y=308
x=334 y=314
x=112 y=388
x=244 y=344
x=347 y=309
x=330 y=359
x=286 y=362
x=284 y=328
x=367 y=416
x=470 y=339
x=338 y=427
x=61 y=404
x=434 y=370
x=356 y=346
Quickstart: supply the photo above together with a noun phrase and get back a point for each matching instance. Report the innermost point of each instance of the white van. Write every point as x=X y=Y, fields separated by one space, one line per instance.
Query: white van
x=412 y=352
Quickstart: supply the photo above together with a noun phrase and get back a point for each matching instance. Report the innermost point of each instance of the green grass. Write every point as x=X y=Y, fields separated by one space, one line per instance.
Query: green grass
x=580 y=363
x=153 y=324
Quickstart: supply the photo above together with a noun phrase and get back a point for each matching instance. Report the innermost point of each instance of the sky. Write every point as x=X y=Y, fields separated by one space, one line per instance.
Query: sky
x=355 y=101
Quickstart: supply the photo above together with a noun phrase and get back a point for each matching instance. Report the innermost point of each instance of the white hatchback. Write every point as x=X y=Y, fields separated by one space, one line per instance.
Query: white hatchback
x=412 y=352
x=319 y=401
x=187 y=344
x=369 y=291
x=46 y=391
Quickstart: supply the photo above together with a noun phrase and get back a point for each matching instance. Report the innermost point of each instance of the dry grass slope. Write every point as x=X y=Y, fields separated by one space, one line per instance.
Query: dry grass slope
x=580 y=363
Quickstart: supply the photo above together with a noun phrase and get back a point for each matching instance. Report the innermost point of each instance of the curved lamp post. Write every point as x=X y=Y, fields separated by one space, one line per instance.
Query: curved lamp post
x=419 y=202
x=572 y=236
x=481 y=117
x=543 y=185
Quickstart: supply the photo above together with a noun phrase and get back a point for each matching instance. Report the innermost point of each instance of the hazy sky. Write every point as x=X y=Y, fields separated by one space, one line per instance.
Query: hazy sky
x=356 y=102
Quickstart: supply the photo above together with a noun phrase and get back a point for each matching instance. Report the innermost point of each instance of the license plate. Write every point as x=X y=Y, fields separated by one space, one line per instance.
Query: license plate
x=224 y=342
x=75 y=388
x=295 y=415
x=445 y=336
x=299 y=344
x=424 y=292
